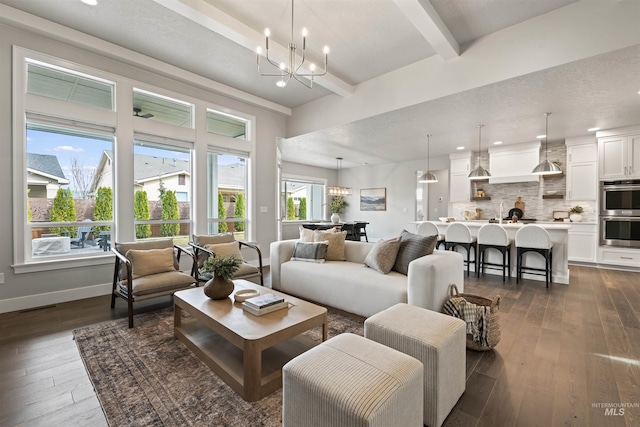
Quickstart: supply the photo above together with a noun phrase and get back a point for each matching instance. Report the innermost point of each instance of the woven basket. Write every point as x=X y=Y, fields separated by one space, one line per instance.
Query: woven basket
x=494 y=324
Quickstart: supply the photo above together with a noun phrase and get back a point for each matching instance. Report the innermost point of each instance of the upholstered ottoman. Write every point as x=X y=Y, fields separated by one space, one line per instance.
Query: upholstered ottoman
x=350 y=381
x=435 y=339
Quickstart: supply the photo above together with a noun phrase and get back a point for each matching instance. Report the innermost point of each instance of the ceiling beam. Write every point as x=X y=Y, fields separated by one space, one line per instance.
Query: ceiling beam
x=427 y=21
x=219 y=22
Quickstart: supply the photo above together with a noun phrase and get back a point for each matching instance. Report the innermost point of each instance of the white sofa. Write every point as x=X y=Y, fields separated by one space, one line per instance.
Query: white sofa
x=352 y=287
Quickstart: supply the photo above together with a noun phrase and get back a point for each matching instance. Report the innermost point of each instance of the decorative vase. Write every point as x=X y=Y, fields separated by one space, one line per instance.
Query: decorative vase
x=218 y=288
x=575 y=217
x=335 y=218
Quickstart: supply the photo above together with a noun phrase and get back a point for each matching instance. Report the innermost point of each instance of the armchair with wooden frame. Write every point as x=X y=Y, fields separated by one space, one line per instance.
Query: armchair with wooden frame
x=223 y=245
x=149 y=269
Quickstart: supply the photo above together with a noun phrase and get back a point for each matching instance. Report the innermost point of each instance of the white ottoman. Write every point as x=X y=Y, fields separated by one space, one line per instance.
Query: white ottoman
x=350 y=381
x=435 y=339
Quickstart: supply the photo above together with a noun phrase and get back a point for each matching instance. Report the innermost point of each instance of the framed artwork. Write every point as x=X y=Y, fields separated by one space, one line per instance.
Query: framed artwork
x=373 y=199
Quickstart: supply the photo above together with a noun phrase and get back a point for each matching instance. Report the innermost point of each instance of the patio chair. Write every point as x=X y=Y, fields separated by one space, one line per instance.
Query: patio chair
x=150 y=269
x=223 y=245
x=82 y=236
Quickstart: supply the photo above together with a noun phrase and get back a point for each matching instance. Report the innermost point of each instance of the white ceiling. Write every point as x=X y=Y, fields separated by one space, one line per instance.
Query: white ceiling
x=368 y=38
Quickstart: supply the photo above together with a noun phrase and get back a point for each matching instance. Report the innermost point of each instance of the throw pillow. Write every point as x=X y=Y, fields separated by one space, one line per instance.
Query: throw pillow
x=226 y=249
x=306 y=234
x=145 y=262
x=412 y=246
x=383 y=255
x=335 y=252
x=310 y=251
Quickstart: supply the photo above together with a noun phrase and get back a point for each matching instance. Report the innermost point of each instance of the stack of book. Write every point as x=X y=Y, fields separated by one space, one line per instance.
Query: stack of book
x=264 y=304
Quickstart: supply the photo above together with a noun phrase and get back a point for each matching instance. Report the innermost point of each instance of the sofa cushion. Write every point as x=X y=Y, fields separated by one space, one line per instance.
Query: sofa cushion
x=335 y=251
x=412 y=246
x=226 y=249
x=310 y=251
x=383 y=255
x=306 y=234
x=150 y=261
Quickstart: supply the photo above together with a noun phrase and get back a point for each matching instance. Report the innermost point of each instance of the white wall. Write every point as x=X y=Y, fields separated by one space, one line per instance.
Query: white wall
x=40 y=288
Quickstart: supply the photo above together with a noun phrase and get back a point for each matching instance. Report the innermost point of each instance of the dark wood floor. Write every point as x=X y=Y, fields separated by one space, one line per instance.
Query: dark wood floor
x=563 y=351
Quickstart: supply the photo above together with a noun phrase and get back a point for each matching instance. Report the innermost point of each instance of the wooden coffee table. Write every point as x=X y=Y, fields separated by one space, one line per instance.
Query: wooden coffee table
x=246 y=351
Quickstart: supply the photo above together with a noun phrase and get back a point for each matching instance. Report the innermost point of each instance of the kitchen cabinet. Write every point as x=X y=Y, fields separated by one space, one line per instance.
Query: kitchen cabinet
x=459 y=183
x=619 y=157
x=627 y=257
x=583 y=242
x=582 y=169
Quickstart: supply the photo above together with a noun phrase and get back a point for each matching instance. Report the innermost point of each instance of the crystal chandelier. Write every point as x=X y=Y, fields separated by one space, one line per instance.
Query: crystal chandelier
x=292 y=69
x=339 y=190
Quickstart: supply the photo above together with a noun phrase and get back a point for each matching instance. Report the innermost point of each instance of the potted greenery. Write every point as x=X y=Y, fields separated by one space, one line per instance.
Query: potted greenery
x=575 y=213
x=223 y=268
x=337 y=206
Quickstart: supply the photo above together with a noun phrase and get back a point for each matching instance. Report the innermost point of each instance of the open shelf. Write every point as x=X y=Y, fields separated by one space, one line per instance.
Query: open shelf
x=557 y=175
x=481 y=198
x=553 y=196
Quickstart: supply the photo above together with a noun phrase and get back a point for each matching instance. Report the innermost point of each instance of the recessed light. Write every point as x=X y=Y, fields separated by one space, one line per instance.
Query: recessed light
x=592 y=129
x=460 y=148
x=540 y=136
x=497 y=143
x=90 y=2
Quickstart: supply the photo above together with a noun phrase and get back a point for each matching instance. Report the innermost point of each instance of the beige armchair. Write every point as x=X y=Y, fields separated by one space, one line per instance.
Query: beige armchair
x=224 y=245
x=149 y=269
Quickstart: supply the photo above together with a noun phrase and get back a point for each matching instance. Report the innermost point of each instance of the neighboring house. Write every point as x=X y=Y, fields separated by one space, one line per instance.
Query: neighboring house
x=151 y=171
x=44 y=176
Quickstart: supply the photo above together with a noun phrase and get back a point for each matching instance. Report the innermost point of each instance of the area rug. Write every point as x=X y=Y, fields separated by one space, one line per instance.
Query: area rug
x=146 y=377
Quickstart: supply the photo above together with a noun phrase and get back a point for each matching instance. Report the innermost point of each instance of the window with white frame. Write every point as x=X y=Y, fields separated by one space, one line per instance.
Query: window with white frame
x=227 y=192
x=301 y=198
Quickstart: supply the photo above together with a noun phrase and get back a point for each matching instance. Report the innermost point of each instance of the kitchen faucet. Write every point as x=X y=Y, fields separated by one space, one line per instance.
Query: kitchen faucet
x=501 y=208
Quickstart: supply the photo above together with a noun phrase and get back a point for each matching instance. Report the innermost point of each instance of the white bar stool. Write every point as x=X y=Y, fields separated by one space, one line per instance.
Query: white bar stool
x=492 y=236
x=533 y=238
x=458 y=234
x=429 y=229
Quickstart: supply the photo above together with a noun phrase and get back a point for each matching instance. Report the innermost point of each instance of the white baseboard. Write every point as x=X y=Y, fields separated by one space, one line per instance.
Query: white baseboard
x=49 y=298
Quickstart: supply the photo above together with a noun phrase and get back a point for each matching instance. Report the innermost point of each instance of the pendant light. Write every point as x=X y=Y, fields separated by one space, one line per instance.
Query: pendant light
x=428 y=176
x=479 y=172
x=546 y=167
x=339 y=190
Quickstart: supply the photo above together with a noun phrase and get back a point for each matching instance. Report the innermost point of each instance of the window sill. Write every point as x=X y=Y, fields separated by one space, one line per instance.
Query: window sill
x=60 y=264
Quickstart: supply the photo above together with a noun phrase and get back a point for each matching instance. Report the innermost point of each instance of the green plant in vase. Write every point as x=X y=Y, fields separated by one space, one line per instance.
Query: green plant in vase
x=575 y=213
x=222 y=268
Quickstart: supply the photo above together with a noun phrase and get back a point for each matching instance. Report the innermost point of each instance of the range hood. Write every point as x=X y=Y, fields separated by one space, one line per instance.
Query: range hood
x=514 y=163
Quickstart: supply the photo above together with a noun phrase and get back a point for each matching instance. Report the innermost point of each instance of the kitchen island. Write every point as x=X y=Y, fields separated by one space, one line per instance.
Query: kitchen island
x=558 y=231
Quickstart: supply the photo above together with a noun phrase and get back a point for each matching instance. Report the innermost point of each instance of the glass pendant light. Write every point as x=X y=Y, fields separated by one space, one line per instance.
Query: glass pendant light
x=339 y=190
x=428 y=176
x=479 y=172
x=546 y=167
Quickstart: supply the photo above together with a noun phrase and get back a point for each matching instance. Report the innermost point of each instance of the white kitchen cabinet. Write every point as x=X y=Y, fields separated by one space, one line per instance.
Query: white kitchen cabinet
x=582 y=169
x=619 y=157
x=583 y=243
x=459 y=183
x=627 y=257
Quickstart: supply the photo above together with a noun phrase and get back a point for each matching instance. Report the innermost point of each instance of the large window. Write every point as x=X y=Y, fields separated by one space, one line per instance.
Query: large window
x=69 y=191
x=160 y=209
x=152 y=106
x=226 y=125
x=227 y=193
x=301 y=199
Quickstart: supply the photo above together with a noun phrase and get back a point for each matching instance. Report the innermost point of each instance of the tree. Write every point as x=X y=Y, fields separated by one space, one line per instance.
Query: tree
x=141 y=212
x=291 y=209
x=63 y=210
x=83 y=178
x=170 y=211
x=222 y=214
x=302 y=209
x=103 y=209
x=239 y=212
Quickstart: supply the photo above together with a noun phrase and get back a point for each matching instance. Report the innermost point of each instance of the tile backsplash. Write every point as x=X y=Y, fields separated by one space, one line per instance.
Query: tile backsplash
x=531 y=192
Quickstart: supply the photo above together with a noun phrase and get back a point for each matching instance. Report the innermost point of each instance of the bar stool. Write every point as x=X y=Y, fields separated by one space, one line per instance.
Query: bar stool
x=429 y=229
x=458 y=234
x=492 y=236
x=533 y=238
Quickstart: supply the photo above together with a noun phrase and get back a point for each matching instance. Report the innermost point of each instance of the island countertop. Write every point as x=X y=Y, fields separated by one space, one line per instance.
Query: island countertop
x=558 y=232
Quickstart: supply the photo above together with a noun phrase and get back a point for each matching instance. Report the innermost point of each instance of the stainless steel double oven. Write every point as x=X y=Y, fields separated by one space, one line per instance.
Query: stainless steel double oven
x=620 y=213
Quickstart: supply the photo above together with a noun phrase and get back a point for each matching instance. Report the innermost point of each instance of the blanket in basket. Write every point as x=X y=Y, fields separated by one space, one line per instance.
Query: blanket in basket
x=477 y=317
